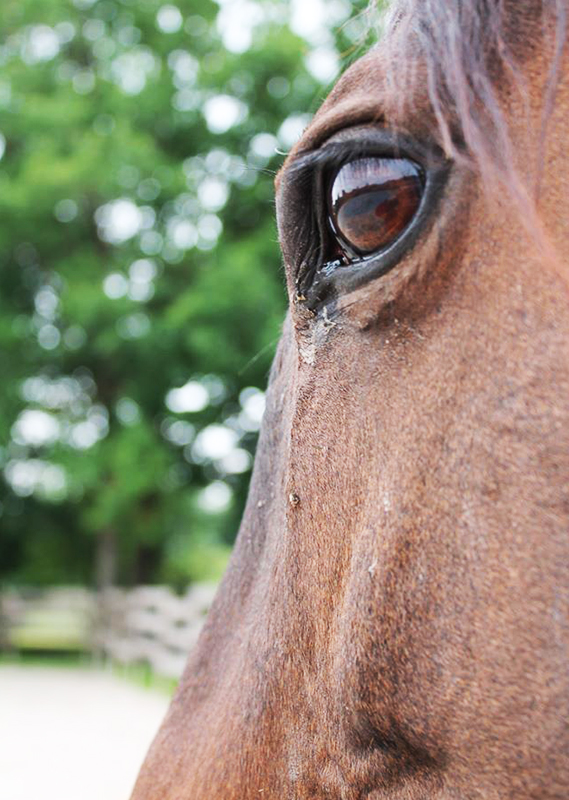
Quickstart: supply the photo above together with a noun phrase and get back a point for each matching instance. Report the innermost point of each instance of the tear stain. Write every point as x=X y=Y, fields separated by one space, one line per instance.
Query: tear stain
x=326 y=321
x=313 y=336
x=308 y=354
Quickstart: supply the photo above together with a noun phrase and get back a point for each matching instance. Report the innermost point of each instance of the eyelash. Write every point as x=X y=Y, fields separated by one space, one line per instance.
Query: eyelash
x=310 y=171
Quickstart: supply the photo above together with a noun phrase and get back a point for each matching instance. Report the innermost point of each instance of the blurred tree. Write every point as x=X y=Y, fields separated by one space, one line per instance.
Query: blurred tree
x=141 y=290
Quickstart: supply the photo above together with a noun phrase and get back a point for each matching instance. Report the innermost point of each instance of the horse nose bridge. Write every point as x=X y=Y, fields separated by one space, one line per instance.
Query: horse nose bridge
x=324 y=481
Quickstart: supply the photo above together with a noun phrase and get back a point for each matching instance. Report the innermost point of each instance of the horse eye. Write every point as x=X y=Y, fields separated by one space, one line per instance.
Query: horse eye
x=372 y=201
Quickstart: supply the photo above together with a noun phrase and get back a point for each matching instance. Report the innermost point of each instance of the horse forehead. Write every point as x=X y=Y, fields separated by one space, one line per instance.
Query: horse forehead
x=364 y=76
x=365 y=93
x=362 y=93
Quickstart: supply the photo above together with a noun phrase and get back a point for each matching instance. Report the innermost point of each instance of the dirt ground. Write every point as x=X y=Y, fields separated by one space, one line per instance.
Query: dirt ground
x=72 y=734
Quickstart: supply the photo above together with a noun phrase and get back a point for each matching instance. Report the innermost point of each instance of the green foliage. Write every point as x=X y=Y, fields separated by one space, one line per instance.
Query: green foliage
x=138 y=253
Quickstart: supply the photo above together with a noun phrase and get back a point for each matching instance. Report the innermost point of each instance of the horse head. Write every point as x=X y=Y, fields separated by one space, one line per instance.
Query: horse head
x=394 y=620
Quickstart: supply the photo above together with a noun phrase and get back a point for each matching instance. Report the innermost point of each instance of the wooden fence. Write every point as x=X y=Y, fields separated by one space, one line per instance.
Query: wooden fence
x=147 y=625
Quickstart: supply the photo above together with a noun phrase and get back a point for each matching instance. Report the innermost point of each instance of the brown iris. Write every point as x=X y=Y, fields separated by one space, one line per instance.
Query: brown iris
x=372 y=200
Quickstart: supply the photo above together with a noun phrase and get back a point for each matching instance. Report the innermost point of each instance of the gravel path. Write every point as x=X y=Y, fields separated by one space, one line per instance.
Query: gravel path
x=70 y=734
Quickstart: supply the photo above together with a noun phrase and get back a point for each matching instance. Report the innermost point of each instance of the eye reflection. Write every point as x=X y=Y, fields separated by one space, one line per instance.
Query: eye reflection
x=372 y=201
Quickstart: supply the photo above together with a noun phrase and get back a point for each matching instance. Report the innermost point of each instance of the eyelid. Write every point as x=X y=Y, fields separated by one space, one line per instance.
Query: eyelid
x=366 y=142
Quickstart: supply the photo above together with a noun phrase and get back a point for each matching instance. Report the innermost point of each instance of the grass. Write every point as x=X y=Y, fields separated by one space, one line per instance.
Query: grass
x=138 y=674
x=143 y=675
x=46 y=658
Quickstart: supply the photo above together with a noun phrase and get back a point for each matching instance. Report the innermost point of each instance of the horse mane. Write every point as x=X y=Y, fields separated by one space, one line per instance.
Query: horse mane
x=471 y=49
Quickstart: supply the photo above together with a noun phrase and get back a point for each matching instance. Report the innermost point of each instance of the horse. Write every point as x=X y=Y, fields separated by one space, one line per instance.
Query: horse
x=394 y=621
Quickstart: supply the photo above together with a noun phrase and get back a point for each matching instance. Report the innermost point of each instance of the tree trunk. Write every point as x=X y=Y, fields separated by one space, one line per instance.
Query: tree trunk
x=106 y=560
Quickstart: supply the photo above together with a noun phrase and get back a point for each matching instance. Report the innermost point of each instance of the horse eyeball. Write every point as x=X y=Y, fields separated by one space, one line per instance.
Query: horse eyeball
x=372 y=201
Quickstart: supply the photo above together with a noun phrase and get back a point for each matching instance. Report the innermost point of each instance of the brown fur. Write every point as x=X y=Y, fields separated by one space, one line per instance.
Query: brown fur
x=472 y=56
x=394 y=623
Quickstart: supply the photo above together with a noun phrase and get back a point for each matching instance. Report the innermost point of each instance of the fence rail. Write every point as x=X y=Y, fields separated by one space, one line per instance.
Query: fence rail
x=148 y=624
